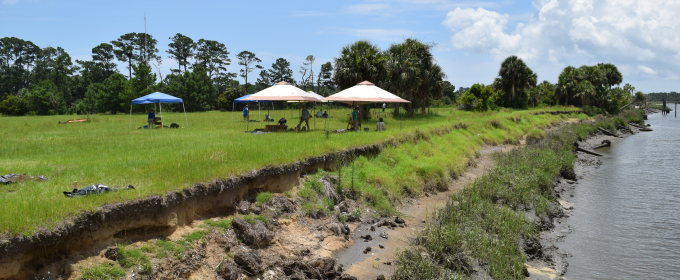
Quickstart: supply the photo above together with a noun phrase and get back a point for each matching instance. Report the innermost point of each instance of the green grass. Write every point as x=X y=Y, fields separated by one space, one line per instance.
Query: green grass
x=263 y=197
x=535 y=135
x=484 y=223
x=102 y=271
x=212 y=146
x=252 y=218
x=223 y=223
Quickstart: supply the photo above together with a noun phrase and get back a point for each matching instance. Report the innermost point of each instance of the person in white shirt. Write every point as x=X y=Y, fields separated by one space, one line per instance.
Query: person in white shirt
x=380 y=126
x=384 y=105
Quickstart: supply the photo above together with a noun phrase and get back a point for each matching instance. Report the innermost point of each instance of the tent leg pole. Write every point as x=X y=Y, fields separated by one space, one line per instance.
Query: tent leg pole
x=160 y=107
x=232 y=112
x=130 y=126
x=185 y=114
x=258 y=111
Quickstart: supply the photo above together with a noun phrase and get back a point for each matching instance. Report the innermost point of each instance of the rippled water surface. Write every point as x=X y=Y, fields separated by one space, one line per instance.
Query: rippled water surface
x=626 y=216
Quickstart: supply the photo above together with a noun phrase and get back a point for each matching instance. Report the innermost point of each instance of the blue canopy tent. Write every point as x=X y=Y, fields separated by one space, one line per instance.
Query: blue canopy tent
x=158 y=98
x=240 y=100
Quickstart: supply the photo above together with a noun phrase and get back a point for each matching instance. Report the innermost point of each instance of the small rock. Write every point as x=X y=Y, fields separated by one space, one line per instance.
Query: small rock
x=388 y=263
x=366 y=237
x=380 y=277
x=256 y=210
x=383 y=235
x=368 y=249
x=249 y=261
x=112 y=253
x=381 y=246
x=372 y=228
x=399 y=220
x=243 y=207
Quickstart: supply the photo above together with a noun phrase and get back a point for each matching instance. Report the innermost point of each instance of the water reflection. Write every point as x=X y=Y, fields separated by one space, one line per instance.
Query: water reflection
x=625 y=216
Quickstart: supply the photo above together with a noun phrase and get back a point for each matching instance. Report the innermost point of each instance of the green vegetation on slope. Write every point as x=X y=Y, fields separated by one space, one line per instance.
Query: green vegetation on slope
x=427 y=162
x=483 y=225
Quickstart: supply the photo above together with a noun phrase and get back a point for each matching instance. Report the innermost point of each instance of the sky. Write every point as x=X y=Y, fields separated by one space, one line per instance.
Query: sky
x=641 y=37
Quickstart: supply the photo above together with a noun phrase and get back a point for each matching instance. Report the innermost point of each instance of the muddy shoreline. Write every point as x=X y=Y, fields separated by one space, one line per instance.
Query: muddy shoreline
x=548 y=260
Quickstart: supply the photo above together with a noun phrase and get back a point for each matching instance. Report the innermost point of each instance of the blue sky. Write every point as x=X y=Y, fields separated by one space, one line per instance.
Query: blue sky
x=472 y=37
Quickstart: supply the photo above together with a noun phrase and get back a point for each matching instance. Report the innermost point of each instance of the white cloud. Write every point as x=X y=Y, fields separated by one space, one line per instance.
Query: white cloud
x=365 y=8
x=647 y=70
x=578 y=32
x=9 y=2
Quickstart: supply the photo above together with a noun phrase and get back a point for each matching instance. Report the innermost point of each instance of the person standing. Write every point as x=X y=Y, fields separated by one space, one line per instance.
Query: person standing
x=246 y=116
x=355 y=115
x=305 y=117
x=151 y=119
x=384 y=105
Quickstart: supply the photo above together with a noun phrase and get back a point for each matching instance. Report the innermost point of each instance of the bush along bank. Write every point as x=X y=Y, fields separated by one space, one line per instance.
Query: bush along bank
x=490 y=228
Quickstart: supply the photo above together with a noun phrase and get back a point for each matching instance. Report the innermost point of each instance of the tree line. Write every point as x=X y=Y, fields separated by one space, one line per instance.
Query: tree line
x=595 y=88
x=45 y=81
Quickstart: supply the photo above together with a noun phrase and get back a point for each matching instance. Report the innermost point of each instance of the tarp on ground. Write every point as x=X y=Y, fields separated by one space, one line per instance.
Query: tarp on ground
x=240 y=100
x=157 y=97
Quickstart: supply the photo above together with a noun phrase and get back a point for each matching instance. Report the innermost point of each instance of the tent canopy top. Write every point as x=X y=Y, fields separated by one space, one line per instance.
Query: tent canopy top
x=156 y=97
x=283 y=91
x=240 y=100
x=365 y=93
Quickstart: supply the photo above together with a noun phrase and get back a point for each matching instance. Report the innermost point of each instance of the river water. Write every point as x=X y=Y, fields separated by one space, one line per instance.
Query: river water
x=626 y=216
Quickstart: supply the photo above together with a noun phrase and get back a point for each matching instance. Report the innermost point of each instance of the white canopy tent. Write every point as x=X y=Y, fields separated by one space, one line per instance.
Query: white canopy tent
x=283 y=91
x=365 y=93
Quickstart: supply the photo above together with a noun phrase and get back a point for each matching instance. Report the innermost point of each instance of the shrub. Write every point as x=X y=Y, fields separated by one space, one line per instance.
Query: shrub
x=535 y=135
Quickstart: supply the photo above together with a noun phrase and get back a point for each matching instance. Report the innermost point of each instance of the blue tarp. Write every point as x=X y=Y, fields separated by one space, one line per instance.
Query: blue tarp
x=238 y=100
x=157 y=97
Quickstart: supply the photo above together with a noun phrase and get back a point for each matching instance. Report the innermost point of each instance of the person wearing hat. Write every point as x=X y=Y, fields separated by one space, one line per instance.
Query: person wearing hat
x=304 y=117
x=151 y=119
x=246 y=117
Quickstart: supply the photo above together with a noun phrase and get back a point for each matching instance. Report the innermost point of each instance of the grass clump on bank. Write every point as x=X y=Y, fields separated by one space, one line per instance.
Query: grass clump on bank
x=482 y=226
x=102 y=271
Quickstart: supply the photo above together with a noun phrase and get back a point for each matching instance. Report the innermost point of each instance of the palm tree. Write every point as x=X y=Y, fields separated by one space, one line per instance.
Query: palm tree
x=432 y=87
x=585 y=89
x=358 y=62
x=512 y=71
x=403 y=72
x=612 y=74
x=566 y=82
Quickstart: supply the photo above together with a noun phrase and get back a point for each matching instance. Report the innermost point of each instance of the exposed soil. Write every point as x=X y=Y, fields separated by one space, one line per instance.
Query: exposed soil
x=545 y=259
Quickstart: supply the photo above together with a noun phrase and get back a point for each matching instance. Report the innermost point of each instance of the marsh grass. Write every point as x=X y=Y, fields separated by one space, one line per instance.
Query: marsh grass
x=483 y=225
x=212 y=146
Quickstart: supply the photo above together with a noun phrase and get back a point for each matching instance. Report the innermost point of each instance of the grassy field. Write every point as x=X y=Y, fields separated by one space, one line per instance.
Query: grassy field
x=106 y=151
